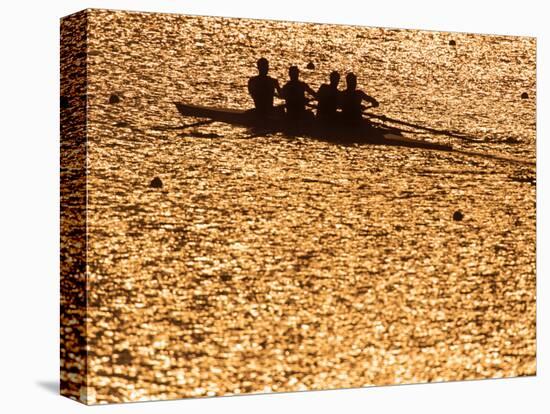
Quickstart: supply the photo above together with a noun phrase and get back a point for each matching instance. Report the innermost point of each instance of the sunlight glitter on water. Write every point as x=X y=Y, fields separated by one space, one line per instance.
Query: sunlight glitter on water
x=205 y=285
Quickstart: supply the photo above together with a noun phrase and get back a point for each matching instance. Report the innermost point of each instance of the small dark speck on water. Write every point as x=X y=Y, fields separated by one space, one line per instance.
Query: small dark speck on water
x=310 y=65
x=64 y=102
x=124 y=357
x=156 y=183
x=225 y=277
x=114 y=99
x=524 y=95
x=458 y=215
x=452 y=42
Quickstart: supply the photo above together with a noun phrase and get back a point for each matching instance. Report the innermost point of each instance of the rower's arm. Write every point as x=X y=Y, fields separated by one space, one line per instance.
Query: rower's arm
x=311 y=91
x=278 y=89
x=370 y=99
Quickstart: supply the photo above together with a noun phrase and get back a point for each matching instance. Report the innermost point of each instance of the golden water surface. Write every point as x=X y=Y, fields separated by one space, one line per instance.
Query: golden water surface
x=271 y=263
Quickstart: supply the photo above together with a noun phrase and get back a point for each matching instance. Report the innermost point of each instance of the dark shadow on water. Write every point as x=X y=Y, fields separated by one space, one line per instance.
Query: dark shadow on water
x=498 y=157
x=170 y=128
x=50 y=386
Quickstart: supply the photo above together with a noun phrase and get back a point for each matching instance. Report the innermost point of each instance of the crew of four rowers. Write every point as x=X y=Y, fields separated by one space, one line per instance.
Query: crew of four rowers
x=262 y=88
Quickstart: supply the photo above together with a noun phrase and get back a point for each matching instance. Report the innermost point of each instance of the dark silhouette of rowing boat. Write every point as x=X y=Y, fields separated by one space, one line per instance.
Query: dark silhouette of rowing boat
x=363 y=133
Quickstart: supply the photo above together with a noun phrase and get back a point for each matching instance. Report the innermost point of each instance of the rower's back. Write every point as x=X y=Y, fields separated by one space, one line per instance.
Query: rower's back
x=294 y=94
x=350 y=102
x=328 y=98
x=262 y=88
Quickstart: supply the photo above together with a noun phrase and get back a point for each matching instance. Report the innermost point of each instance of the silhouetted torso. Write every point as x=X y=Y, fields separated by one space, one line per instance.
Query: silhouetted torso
x=327 y=105
x=350 y=101
x=262 y=89
x=294 y=95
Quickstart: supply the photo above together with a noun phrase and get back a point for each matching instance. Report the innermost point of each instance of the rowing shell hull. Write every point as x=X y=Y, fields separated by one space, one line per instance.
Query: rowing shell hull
x=362 y=134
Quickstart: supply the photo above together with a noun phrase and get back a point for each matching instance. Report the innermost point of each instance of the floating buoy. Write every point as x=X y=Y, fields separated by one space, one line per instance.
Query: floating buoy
x=511 y=140
x=226 y=277
x=310 y=65
x=124 y=357
x=64 y=102
x=524 y=95
x=156 y=183
x=114 y=99
x=458 y=215
x=452 y=42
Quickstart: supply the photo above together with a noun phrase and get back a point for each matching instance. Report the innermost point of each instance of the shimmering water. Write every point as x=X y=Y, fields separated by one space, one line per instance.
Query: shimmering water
x=275 y=264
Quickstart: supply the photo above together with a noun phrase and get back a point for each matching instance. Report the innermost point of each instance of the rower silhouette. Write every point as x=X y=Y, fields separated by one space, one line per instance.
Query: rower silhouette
x=350 y=101
x=262 y=89
x=328 y=98
x=294 y=95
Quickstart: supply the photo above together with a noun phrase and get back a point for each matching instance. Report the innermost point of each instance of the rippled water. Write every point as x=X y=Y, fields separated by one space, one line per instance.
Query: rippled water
x=275 y=264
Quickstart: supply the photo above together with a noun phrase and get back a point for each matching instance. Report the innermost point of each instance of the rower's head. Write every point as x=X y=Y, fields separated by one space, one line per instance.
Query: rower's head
x=293 y=73
x=351 y=81
x=263 y=66
x=334 y=78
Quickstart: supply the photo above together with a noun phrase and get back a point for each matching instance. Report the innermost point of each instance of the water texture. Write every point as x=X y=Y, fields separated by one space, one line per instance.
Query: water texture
x=275 y=263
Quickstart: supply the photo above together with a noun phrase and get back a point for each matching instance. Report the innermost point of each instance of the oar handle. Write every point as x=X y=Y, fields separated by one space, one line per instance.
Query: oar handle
x=365 y=107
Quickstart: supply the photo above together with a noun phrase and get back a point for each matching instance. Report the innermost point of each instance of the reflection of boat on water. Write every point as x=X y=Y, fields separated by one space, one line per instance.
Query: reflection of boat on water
x=365 y=133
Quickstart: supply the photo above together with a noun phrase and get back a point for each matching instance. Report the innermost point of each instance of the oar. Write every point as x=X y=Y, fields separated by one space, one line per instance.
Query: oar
x=311 y=105
x=314 y=106
x=409 y=124
x=195 y=124
x=425 y=128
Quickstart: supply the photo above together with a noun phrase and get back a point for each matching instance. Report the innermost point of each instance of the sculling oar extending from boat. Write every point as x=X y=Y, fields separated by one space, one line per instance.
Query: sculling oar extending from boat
x=365 y=133
x=448 y=133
